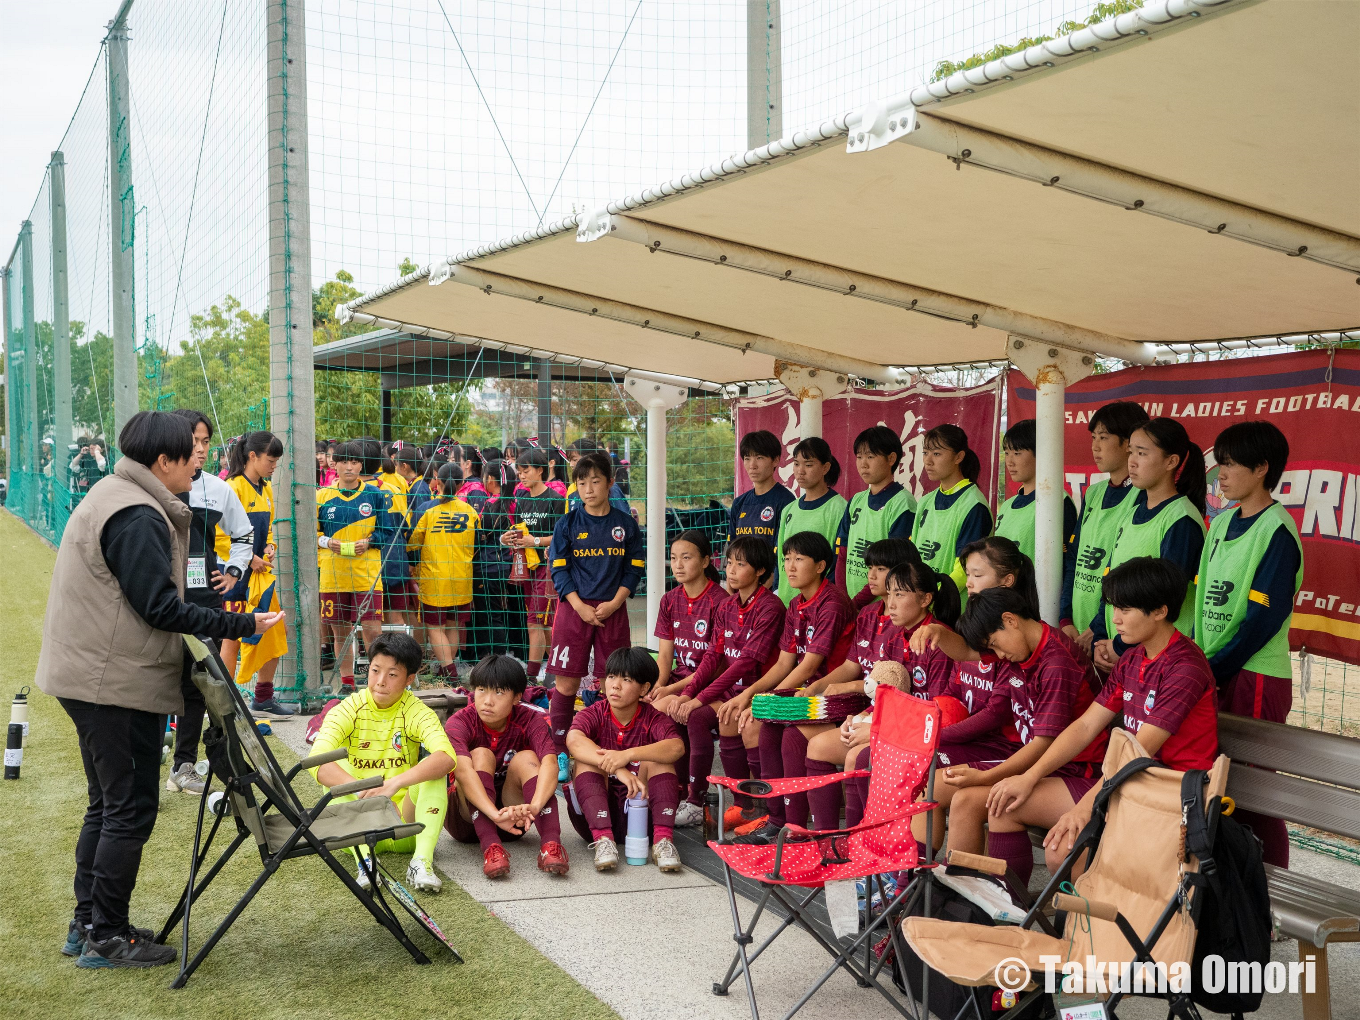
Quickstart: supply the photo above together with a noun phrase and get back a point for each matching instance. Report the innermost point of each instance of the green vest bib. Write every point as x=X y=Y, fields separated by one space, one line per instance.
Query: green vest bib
x=825 y=520
x=1226 y=569
x=868 y=526
x=936 y=532
x=1099 y=527
x=1134 y=540
x=1017 y=523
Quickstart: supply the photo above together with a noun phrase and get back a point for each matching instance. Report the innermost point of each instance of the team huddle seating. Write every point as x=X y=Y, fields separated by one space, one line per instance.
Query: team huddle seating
x=1317 y=785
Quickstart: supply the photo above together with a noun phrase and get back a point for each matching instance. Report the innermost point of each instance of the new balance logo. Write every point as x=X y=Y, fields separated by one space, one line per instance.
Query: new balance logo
x=1218 y=592
x=928 y=549
x=1091 y=559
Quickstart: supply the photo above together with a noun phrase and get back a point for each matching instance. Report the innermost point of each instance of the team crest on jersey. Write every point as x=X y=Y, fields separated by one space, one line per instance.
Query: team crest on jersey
x=983 y=667
x=1147 y=703
x=767 y=514
x=365 y=509
x=398 y=741
x=700 y=628
x=617 y=534
x=918 y=676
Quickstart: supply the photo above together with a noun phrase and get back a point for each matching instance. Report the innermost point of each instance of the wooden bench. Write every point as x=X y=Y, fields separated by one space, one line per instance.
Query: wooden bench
x=1318 y=785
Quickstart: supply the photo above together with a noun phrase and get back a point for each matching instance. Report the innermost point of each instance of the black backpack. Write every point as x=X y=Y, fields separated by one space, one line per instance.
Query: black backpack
x=1231 y=907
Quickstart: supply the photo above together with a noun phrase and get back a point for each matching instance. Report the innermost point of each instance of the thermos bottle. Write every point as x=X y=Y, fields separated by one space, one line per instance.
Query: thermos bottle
x=636 y=845
x=14 y=750
x=18 y=711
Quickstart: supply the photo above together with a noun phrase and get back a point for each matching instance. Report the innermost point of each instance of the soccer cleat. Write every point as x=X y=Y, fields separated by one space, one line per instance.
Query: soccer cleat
x=421 y=877
x=552 y=858
x=665 y=855
x=366 y=865
x=563 y=767
x=688 y=815
x=606 y=854
x=495 y=861
x=750 y=825
x=127 y=950
x=764 y=835
x=185 y=780
x=736 y=816
x=270 y=708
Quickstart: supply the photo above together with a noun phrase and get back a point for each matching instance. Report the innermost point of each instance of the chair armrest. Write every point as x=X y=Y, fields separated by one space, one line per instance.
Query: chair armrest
x=780 y=787
x=977 y=862
x=345 y=789
x=1078 y=905
x=315 y=760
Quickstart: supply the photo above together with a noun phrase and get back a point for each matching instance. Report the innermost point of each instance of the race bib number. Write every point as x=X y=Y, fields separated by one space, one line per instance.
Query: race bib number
x=198 y=572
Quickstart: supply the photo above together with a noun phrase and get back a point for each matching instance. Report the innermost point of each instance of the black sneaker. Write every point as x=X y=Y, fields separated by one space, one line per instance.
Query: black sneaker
x=130 y=950
x=763 y=836
x=77 y=933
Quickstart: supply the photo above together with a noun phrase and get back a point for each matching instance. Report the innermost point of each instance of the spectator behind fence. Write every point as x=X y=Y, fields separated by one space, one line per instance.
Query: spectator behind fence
x=112 y=653
x=87 y=466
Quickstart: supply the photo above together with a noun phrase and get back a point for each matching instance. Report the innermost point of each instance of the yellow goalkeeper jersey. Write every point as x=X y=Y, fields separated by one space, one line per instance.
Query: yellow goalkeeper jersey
x=381 y=741
x=444 y=538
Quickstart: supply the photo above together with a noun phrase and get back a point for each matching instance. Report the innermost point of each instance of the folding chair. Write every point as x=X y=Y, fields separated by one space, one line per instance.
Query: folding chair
x=1136 y=896
x=902 y=740
x=255 y=784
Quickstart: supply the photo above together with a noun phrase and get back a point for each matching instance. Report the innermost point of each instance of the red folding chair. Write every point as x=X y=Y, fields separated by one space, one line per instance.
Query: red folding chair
x=902 y=741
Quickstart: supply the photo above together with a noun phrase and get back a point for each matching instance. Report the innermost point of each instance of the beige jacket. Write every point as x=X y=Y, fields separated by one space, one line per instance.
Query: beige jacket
x=96 y=648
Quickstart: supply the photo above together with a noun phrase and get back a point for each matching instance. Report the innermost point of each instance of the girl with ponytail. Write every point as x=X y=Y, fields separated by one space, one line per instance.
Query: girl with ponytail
x=819 y=509
x=684 y=623
x=1167 y=521
x=955 y=514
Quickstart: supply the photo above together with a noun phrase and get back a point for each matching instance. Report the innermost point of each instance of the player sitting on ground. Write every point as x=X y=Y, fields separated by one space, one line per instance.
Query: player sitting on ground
x=625 y=748
x=507 y=769
x=384 y=726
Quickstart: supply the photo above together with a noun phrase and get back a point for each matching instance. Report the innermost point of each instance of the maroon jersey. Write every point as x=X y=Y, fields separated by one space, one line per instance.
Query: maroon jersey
x=875 y=638
x=742 y=647
x=821 y=625
x=646 y=727
x=1173 y=691
x=689 y=623
x=526 y=729
x=1049 y=692
x=930 y=670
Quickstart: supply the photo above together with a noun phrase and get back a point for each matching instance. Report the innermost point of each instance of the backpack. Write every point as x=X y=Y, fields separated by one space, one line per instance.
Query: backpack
x=1231 y=907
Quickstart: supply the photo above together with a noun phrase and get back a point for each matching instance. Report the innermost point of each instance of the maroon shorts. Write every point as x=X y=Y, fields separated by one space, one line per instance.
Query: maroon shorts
x=399 y=597
x=981 y=754
x=539 y=597
x=1079 y=777
x=618 y=818
x=573 y=640
x=445 y=616
x=1258 y=696
x=350 y=606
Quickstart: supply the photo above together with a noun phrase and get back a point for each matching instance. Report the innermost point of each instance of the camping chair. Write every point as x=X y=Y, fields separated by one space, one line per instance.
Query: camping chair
x=902 y=740
x=259 y=796
x=1140 y=880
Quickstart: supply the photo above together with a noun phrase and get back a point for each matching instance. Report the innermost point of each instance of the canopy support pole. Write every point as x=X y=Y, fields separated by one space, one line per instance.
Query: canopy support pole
x=657 y=398
x=1052 y=370
x=545 y=403
x=811 y=386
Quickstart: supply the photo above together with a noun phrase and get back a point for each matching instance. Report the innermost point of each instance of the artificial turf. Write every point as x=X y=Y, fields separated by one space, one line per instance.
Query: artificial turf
x=304 y=948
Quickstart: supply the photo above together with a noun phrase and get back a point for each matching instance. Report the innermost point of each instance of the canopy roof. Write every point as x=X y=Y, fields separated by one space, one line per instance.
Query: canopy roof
x=1188 y=150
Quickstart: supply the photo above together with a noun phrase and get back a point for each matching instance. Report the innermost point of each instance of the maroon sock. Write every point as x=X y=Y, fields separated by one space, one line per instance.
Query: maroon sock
x=825 y=801
x=793 y=750
x=772 y=767
x=264 y=690
x=734 y=763
x=561 y=710
x=533 y=669
x=1271 y=832
x=487 y=833
x=700 y=728
x=548 y=824
x=1015 y=849
x=663 y=795
x=856 y=793
x=592 y=793
x=682 y=773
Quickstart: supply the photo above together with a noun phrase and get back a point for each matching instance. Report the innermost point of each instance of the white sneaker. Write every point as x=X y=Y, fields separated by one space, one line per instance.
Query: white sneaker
x=420 y=876
x=665 y=855
x=185 y=780
x=365 y=864
x=689 y=815
x=606 y=854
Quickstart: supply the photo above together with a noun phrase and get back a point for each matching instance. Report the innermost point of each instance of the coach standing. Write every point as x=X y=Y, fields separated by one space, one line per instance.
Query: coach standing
x=113 y=656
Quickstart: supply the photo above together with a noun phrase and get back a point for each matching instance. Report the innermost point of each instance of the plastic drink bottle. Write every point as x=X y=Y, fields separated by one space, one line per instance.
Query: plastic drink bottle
x=636 y=845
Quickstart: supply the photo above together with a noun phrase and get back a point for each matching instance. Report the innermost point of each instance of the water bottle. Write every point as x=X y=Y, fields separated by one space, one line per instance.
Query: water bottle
x=637 y=846
x=18 y=712
x=14 y=750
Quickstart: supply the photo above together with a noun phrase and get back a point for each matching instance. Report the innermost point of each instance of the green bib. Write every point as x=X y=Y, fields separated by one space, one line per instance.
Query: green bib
x=1017 y=523
x=1134 y=540
x=1099 y=528
x=1226 y=569
x=825 y=520
x=868 y=526
x=936 y=532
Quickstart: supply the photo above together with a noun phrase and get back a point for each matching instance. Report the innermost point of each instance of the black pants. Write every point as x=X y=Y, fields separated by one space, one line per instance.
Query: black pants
x=189 y=723
x=121 y=751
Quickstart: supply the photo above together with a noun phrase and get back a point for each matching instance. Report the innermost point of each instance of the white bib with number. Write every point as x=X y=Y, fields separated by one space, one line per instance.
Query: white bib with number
x=198 y=572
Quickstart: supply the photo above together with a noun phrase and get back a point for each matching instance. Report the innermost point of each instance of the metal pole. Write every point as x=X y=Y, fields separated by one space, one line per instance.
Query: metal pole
x=809 y=417
x=764 y=74
x=544 y=403
x=31 y=422
x=656 y=514
x=291 y=393
x=8 y=338
x=62 y=431
x=385 y=430
x=122 y=207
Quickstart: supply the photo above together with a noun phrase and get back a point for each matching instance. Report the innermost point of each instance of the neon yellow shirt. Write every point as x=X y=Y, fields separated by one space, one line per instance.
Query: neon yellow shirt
x=381 y=741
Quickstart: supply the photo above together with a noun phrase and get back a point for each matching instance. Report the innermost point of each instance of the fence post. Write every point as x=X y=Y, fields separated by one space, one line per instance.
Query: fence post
x=8 y=329
x=544 y=404
x=122 y=226
x=764 y=74
x=292 y=411
x=62 y=431
x=32 y=422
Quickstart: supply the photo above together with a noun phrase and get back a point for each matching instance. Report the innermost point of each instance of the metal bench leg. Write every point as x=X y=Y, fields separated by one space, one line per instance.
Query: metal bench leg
x=1318 y=1004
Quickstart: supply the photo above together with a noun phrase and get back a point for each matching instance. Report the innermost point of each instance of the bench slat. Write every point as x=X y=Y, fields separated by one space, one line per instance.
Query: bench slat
x=1310 y=908
x=1329 y=808
x=1326 y=757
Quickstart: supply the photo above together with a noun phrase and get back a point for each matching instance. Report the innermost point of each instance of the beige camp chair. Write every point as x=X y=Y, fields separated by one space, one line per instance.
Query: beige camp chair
x=1136 y=883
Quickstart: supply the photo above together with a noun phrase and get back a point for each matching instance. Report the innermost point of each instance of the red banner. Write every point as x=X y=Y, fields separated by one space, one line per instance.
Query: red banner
x=1314 y=398
x=910 y=412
